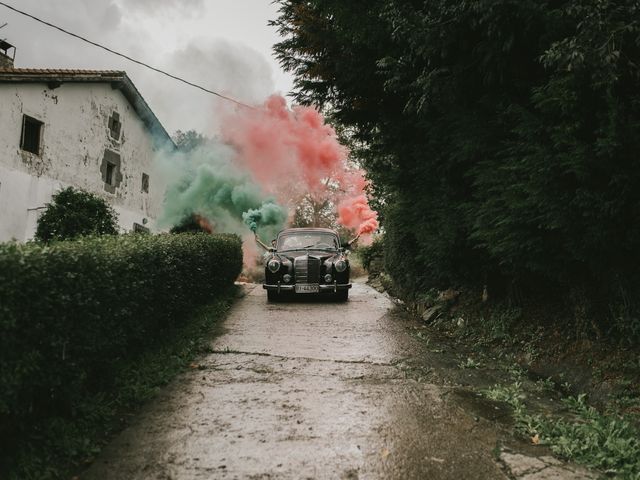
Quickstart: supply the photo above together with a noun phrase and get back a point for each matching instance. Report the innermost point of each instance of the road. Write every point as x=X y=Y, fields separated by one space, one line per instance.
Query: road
x=314 y=390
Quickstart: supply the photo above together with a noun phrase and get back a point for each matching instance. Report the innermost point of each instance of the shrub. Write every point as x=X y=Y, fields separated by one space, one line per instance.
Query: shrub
x=73 y=213
x=368 y=253
x=192 y=224
x=70 y=312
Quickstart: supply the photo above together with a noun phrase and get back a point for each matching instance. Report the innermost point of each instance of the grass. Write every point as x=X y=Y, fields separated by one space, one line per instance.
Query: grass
x=424 y=338
x=537 y=338
x=607 y=442
x=470 y=363
x=62 y=446
x=544 y=385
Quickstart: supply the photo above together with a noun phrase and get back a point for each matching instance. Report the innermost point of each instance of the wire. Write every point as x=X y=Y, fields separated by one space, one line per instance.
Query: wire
x=237 y=102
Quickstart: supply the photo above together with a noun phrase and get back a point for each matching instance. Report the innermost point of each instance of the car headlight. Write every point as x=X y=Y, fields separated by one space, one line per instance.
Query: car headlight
x=273 y=265
x=340 y=265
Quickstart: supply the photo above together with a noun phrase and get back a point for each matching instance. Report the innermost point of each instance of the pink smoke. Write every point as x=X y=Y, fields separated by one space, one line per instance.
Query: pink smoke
x=353 y=209
x=355 y=213
x=279 y=145
x=293 y=151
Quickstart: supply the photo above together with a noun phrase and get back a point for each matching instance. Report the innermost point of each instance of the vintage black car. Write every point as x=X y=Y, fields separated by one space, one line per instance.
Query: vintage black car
x=307 y=261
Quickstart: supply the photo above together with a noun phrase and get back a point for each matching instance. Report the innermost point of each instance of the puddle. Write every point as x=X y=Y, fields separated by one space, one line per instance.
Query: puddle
x=482 y=407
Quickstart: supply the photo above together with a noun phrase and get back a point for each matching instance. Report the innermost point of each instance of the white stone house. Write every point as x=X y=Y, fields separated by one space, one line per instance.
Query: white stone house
x=83 y=128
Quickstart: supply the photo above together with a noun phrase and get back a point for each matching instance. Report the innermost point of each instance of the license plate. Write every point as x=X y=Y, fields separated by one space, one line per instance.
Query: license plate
x=308 y=288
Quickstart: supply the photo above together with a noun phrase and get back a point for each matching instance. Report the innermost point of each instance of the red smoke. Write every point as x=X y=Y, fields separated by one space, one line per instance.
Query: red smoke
x=354 y=212
x=293 y=151
x=279 y=145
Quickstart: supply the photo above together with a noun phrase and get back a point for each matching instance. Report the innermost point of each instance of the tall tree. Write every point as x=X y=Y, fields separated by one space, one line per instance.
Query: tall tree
x=501 y=136
x=189 y=140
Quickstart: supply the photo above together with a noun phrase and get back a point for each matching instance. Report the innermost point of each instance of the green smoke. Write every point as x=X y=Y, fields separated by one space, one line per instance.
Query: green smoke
x=205 y=182
x=268 y=215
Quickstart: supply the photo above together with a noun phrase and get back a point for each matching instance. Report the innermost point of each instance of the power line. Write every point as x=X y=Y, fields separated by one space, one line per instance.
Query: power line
x=79 y=37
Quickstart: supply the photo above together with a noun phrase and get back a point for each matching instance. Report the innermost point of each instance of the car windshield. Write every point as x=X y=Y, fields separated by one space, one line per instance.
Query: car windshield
x=308 y=240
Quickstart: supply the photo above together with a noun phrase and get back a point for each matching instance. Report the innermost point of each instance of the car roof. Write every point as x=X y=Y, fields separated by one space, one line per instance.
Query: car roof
x=306 y=230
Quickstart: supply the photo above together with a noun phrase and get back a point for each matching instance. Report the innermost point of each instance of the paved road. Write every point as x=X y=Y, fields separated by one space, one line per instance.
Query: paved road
x=307 y=390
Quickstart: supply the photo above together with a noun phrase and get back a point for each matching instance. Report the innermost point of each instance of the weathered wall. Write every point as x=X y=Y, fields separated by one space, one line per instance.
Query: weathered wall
x=75 y=137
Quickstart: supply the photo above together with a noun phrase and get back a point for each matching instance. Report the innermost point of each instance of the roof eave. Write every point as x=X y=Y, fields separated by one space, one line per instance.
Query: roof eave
x=131 y=93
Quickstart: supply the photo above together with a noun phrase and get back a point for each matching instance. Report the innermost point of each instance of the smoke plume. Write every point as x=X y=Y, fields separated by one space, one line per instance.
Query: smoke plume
x=290 y=152
x=355 y=213
x=283 y=147
x=269 y=214
x=267 y=158
x=205 y=182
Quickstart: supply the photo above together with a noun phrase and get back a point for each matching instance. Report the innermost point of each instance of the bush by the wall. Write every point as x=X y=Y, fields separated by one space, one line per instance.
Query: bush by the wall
x=71 y=311
x=73 y=213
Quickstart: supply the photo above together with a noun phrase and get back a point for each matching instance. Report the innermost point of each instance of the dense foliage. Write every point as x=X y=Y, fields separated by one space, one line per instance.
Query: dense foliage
x=192 y=224
x=72 y=312
x=501 y=137
x=369 y=253
x=73 y=213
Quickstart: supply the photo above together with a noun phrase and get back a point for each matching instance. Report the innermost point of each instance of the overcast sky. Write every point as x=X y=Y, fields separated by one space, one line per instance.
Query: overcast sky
x=224 y=45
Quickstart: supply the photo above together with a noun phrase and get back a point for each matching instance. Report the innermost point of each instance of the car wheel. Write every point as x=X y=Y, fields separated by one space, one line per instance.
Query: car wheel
x=273 y=296
x=342 y=295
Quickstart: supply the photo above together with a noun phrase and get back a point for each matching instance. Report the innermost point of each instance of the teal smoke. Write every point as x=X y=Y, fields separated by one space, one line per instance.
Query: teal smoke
x=269 y=214
x=205 y=182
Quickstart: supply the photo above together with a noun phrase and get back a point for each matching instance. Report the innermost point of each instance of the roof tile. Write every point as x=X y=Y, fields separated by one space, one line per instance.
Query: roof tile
x=59 y=71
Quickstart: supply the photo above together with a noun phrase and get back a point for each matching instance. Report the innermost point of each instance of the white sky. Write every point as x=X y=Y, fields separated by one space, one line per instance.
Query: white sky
x=223 y=45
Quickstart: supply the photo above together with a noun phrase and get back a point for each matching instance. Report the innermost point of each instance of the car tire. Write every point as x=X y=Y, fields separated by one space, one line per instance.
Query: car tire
x=342 y=295
x=273 y=296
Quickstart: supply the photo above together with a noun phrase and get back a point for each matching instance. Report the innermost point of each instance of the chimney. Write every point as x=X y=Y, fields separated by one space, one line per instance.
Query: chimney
x=6 y=56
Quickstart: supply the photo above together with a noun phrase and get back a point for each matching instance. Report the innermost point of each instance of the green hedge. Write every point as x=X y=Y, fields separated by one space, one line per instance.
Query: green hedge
x=70 y=312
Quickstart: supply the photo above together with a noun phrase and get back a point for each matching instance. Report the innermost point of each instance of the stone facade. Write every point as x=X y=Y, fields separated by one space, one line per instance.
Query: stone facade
x=90 y=130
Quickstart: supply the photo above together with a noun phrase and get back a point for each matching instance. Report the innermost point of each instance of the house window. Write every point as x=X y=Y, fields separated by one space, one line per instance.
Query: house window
x=145 y=183
x=31 y=134
x=111 y=168
x=115 y=125
x=137 y=228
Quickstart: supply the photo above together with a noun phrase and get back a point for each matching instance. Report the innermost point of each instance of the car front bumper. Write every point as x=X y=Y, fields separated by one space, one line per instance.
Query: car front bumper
x=331 y=287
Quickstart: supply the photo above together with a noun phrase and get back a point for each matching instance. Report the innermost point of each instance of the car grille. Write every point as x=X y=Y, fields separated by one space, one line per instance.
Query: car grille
x=307 y=269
